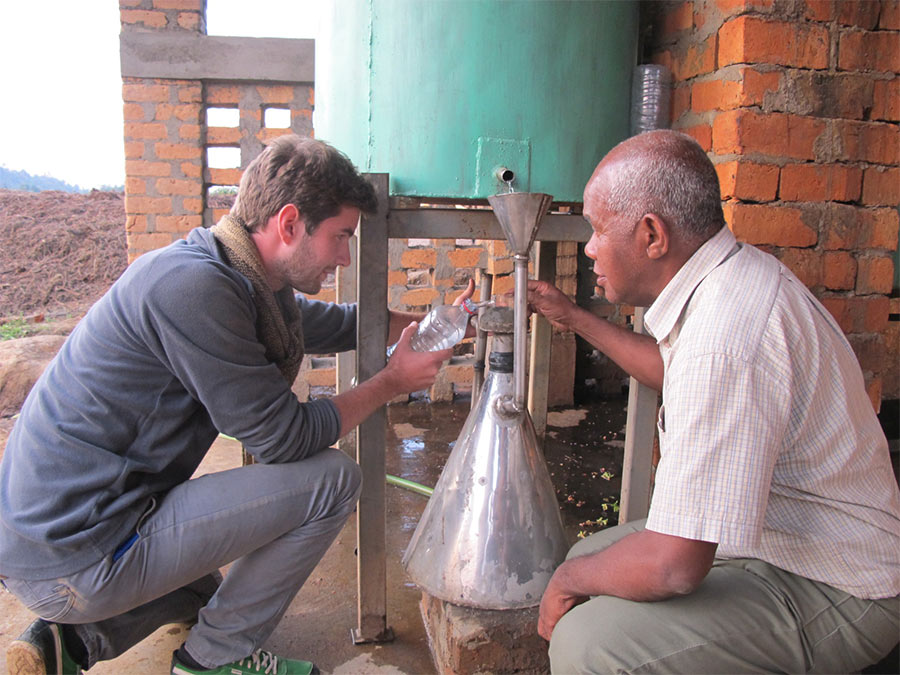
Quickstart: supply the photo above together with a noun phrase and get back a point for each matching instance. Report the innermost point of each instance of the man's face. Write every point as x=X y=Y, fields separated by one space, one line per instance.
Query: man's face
x=314 y=256
x=612 y=247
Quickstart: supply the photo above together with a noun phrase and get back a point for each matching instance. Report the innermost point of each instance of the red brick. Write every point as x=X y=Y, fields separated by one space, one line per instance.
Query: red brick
x=877 y=309
x=135 y=223
x=180 y=224
x=681 y=101
x=819 y=10
x=731 y=7
x=190 y=94
x=134 y=149
x=133 y=112
x=276 y=93
x=419 y=258
x=130 y=3
x=397 y=278
x=136 y=204
x=177 y=151
x=135 y=186
x=225 y=176
x=178 y=186
x=750 y=39
x=698 y=59
x=867 y=50
x=163 y=112
x=192 y=170
x=188 y=112
x=876 y=275
x=890 y=15
x=140 y=93
x=267 y=134
x=859 y=314
x=776 y=134
x=145 y=130
x=755 y=85
x=189 y=21
x=192 y=205
x=141 y=167
x=879 y=228
x=715 y=95
x=702 y=133
x=838 y=270
x=881 y=187
x=679 y=18
x=859 y=14
x=150 y=241
x=748 y=181
x=465 y=257
x=144 y=17
x=820 y=183
x=886 y=96
x=775 y=225
x=189 y=131
x=223 y=135
x=419 y=297
x=805 y=263
x=222 y=94
x=503 y=285
x=841 y=226
x=193 y=5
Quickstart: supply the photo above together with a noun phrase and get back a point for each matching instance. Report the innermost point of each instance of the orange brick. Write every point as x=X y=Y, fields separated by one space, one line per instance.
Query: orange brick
x=150 y=241
x=190 y=94
x=715 y=95
x=140 y=93
x=267 y=134
x=193 y=5
x=189 y=21
x=134 y=204
x=820 y=182
x=681 y=101
x=141 y=167
x=755 y=85
x=805 y=263
x=881 y=187
x=163 y=112
x=698 y=59
x=679 y=18
x=320 y=377
x=178 y=186
x=418 y=258
x=144 y=17
x=276 y=94
x=497 y=266
x=841 y=226
x=189 y=131
x=134 y=149
x=775 y=225
x=192 y=205
x=750 y=39
x=419 y=297
x=223 y=135
x=886 y=104
x=859 y=314
x=135 y=186
x=145 y=130
x=819 y=10
x=748 y=181
x=776 y=134
x=188 y=112
x=879 y=228
x=222 y=94
x=177 y=151
x=225 y=176
x=503 y=285
x=133 y=112
x=729 y=7
x=179 y=224
x=135 y=223
x=874 y=142
x=890 y=15
x=866 y=50
x=876 y=275
x=466 y=257
x=497 y=248
x=130 y=3
x=838 y=270
x=191 y=170
x=396 y=278
x=702 y=133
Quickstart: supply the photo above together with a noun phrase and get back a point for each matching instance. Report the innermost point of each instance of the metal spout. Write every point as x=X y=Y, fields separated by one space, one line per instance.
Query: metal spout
x=491 y=535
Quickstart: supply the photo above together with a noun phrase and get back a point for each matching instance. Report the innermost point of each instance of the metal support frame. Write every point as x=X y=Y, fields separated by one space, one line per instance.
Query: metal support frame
x=402 y=218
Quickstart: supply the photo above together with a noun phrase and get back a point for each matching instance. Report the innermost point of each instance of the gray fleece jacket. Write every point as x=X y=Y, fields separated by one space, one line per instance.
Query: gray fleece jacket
x=166 y=360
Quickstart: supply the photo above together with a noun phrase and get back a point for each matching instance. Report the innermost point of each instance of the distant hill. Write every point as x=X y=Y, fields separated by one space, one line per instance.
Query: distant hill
x=22 y=180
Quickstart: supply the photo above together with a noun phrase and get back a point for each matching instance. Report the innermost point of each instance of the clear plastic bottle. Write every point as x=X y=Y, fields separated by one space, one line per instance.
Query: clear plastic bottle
x=442 y=327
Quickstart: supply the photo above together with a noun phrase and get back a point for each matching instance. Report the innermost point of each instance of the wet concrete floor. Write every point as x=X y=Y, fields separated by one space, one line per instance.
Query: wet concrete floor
x=583 y=447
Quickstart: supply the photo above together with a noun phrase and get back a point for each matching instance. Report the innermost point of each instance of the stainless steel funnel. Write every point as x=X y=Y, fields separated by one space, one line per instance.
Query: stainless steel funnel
x=491 y=535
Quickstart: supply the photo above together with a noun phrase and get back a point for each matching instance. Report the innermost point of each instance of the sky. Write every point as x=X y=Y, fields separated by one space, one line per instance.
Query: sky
x=61 y=107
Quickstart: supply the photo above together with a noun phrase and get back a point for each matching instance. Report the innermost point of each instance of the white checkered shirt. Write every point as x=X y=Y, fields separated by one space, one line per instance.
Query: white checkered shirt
x=769 y=444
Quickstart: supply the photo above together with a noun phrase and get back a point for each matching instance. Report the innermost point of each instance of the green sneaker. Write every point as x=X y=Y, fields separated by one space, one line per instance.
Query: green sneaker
x=259 y=662
x=40 y=651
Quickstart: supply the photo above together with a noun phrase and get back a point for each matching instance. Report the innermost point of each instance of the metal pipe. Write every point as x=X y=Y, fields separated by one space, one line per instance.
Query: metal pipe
x=520 y=329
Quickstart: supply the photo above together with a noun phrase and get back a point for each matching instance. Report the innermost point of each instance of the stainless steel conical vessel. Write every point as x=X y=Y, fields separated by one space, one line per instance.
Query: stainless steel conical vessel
x=491 y=535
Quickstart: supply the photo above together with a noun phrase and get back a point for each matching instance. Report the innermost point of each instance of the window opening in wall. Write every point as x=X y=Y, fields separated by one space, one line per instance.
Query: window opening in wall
x=223 y=117
x=277 y=118
x=264 y=18
x=221 y=196
x=224 y=157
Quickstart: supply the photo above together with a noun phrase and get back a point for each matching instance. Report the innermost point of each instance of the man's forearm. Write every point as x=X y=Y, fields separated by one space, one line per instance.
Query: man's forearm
x=361 y=401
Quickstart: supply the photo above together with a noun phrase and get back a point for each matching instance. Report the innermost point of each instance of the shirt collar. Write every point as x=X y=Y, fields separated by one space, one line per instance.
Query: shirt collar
x=663 y=314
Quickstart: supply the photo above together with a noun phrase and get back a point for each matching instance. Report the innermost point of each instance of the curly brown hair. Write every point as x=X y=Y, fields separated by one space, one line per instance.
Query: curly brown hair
x=310 y=174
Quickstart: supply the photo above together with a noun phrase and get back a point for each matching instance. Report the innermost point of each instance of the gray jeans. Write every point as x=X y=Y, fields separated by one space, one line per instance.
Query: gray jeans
x=273 y=521
x=746 y=617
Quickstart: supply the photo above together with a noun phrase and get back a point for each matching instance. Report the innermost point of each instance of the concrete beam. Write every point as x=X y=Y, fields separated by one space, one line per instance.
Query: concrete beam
x=193 y=56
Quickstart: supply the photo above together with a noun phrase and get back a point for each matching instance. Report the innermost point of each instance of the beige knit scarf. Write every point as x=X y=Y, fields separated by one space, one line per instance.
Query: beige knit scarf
x=278 y=323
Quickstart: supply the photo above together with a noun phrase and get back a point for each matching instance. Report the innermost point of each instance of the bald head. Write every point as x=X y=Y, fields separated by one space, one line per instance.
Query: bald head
x=665 y=173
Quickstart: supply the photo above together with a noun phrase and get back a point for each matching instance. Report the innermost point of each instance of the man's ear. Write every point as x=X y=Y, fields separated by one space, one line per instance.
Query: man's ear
x=289 y=223
x=654 y=235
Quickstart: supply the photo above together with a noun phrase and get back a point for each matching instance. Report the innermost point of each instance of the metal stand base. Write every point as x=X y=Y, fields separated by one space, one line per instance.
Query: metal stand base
x=357 y=638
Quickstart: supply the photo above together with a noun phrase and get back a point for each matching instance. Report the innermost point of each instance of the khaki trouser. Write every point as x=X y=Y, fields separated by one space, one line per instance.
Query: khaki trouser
x=746 y=617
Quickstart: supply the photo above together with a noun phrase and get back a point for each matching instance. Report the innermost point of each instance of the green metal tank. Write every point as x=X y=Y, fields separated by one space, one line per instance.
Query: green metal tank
x=441 y=93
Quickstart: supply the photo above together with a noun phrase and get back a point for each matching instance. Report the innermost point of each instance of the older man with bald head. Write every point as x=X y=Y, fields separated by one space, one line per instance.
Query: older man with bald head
x=773 y=538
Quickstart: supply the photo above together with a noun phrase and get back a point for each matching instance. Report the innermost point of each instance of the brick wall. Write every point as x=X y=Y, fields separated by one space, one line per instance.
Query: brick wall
x=798 y=104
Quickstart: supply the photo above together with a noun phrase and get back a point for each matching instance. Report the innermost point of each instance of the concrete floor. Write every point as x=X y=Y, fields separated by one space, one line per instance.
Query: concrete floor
x=318 y=623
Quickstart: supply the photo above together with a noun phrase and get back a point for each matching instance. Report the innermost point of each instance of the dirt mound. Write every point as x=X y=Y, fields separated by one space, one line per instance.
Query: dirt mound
x=59 y=252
